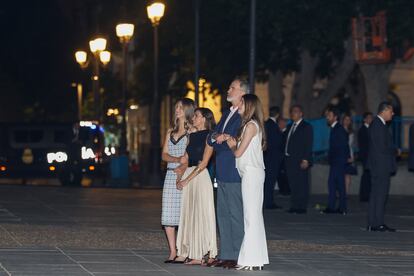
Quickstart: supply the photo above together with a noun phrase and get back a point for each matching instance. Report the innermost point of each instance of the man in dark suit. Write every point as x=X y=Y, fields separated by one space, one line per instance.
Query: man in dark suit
x=272 y=156
x=338 y=157
x=229 y=197
x=282 y=181
x=381 y=163
x=298 y=153
x=411 y=149
x=363 y=140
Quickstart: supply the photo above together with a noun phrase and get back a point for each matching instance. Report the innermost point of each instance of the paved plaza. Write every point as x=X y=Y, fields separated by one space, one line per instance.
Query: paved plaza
x=101 y=231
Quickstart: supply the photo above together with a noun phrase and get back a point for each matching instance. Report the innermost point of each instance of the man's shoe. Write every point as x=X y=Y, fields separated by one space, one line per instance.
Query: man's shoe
x=342 y=212
x=385 y=228
x=216 y=263
x=371 y=229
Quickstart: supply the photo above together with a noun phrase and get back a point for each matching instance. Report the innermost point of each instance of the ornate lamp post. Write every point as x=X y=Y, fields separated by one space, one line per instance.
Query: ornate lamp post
x=155 y=13
x=125 y=32
x=96 y=46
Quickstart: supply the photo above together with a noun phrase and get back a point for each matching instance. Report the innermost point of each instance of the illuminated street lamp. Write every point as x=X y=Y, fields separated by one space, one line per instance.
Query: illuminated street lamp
x=124 y=31
x=81 y=58
x=105 y=57
x=97 y=46
x=155 y=13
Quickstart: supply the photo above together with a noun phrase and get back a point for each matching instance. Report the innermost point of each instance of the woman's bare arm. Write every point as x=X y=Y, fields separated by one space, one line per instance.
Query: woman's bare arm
x=165 y=155
x=248 y=135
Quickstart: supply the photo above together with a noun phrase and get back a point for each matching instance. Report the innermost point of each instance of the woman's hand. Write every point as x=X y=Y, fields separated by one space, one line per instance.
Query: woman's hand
x=304 y=164
x=183 y=159
x=181 y=184
x=231 y=142
x=179 y=170
x=220 y=138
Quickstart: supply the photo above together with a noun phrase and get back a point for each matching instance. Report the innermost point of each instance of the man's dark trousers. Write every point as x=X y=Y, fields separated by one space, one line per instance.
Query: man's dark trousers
x=272 y=171
x=299 y=184
x=336 y=182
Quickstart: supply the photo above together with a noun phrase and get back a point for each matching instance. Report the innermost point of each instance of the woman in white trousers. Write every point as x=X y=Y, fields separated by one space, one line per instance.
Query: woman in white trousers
x=248 y=150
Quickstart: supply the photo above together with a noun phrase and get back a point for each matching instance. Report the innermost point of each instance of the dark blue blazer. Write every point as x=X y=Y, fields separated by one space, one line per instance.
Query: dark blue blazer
x=225 y=161
x=274 y=143
x=339 y=153
x=381 y=152
x=411 y=148
x=363 y=144
x=300 y=142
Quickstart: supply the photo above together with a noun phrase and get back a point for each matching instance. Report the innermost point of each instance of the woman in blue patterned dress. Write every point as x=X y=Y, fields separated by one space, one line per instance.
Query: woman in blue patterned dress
x=173 y=153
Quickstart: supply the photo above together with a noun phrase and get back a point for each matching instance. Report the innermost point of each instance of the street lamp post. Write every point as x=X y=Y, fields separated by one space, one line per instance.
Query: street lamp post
x=155 y=13
x=81 y=58
x=96 y=46
x=197 y=51
x=252 y=52
x=124 y=31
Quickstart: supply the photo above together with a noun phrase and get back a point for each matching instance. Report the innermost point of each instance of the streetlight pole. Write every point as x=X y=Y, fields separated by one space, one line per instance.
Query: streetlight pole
x=252 y=54
x=95 y=88
x=79 y=92
x=197 y=51
x=124 y=31
x=97 y=46
x=155 y=13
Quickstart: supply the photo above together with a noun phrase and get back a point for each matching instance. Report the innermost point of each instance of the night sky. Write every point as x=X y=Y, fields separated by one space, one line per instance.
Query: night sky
x=37 y=63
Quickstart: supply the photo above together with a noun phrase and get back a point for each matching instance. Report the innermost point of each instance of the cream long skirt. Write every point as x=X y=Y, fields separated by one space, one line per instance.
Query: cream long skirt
x=197 y=228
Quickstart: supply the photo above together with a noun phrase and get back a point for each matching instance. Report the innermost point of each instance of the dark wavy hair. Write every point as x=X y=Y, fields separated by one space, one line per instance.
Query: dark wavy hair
x=253 y=110
x=208 y=115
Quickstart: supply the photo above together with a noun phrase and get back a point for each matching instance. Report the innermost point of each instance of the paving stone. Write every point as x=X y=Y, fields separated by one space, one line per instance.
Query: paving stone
x=61 y=231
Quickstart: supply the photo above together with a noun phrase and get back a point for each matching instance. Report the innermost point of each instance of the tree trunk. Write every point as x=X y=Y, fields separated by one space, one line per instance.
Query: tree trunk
x=355 y=88
x=275 y=90
x=376 y=78
x=304 y=80
x=335 y=83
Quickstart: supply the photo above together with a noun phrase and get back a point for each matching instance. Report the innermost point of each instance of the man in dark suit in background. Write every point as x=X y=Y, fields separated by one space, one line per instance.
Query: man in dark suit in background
x=381 y=163
x=411 y=149
x=363 y=140
x=282 y=181
x=298 y=153
x=338 y=157
x=272 y=156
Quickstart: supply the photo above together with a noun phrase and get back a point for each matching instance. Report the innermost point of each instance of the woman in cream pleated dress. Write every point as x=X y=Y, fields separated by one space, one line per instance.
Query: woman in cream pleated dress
x=196 y=240
x=248 y=150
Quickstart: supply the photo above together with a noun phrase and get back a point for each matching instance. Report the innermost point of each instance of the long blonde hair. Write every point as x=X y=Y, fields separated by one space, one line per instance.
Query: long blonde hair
x=188 y=107
x=253 y=110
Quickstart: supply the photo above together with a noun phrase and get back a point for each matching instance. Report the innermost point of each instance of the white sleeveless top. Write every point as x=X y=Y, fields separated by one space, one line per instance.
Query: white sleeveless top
x=253 y=156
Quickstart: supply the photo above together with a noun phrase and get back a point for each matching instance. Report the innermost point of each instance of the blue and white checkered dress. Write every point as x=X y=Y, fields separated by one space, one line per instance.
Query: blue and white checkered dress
x=171 y=197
